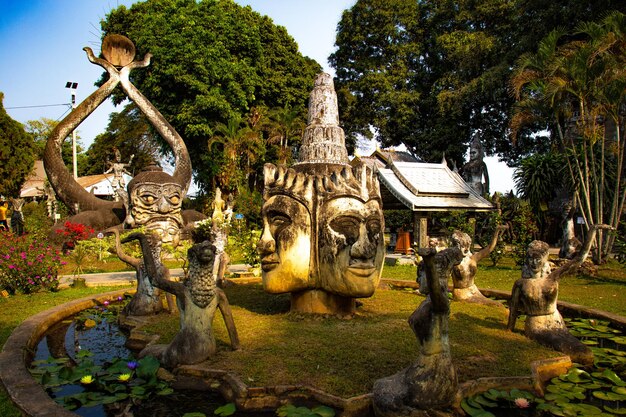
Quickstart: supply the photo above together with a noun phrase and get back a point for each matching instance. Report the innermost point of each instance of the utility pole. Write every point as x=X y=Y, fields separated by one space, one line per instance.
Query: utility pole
x=72 y=86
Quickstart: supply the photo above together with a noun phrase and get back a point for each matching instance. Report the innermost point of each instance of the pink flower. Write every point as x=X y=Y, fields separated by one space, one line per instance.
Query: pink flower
x=106 y=302
x=522 y=403
x=11 y=266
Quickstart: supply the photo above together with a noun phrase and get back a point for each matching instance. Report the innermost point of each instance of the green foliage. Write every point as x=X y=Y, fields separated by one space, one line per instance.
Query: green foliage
x=212 y=61
x=17 y=154
x=38 y=224
x=429 y=74
x=244 y=241
x=289 y=410
x=455 y=220
x=249 y=204
x=226 y=410
x=27 y=265
x=524 y=230
x=396 y=219
x=129 y=132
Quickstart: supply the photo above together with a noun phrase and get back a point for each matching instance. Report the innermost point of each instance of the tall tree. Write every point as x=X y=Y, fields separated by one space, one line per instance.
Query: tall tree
x=131 y=134
x=212 y=61
x=430 y=74
x=17 y=154
x=41 y=129
x=581 y=81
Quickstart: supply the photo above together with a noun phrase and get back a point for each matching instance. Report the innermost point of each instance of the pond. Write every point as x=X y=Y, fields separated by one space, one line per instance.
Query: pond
x=86 y=346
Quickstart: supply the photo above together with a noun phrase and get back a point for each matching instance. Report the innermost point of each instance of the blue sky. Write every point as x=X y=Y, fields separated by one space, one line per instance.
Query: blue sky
x=41 y=45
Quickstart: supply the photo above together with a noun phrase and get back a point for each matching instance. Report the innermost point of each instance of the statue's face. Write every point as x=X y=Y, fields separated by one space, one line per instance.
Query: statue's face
x=351 y=246
x=536 y=262
x=158 y=208
x=285 y=245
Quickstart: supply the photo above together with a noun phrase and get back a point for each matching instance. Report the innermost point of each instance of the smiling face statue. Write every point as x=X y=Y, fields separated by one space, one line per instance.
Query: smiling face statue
x=155 y=202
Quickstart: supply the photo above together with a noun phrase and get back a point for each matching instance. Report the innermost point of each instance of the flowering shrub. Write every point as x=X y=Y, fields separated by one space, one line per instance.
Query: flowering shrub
x=27 y=265
x=74 y=232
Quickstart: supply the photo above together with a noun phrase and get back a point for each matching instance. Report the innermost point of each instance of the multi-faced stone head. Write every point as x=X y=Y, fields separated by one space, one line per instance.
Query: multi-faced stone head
x=155 y=201
x=285 y=243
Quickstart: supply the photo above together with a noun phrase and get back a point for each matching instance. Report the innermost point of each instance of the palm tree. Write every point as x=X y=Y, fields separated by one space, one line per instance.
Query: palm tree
x=580 y=82
x=284 y=125
x=241 y=147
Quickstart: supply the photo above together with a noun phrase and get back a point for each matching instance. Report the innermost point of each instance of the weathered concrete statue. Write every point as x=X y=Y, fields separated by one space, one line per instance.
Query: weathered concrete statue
x=17 y=217
x=463 y=274
x=118 y=61
x=197 y=297
x=119 y=169
x=146 y=299
x=474 y=172
x=426 y=388
x=536 y=296
x=322 y=237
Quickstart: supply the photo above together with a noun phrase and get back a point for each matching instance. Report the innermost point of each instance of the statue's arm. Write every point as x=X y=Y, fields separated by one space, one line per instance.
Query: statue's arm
x=134 y=262
x=513 y=307
x=227 y=314
x=484 y=252
x=582 y=255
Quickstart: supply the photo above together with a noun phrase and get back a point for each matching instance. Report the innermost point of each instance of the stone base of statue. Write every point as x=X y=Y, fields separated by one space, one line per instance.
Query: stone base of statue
x=421 y=390
x=322 y=302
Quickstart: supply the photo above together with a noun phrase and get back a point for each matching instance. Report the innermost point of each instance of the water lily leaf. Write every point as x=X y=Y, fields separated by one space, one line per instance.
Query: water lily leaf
x=556 y=397
x=619 y=390
x=553 y=409
x=323 y=411
x=612 y=376
x=492 y=394
x=619 y=411
x=484 y=401
x=165 y=391
x=576 y=375
x=590 y=342
x=472 y=411
x=619 y=339
x=608 y=396
x=225 y=410
x=198 y=414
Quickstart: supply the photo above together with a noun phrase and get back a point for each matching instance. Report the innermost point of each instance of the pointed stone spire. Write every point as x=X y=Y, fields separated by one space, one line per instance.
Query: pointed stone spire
x=323 y=141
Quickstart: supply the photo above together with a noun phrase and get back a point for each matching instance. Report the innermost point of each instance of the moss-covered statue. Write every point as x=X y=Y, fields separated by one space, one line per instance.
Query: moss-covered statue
x=426 y=388
x=322 y=238
x=197 y=297
x=536 y=296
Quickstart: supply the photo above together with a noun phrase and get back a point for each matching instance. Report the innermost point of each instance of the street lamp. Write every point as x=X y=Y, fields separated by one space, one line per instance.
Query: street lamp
x=72 y=86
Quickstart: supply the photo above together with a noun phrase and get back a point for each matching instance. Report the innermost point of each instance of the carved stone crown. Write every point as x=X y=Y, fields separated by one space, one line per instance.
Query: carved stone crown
x=360 y=182
x=323 y=141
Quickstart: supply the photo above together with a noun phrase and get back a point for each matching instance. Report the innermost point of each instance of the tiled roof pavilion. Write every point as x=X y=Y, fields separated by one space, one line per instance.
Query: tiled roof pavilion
x=406 y=183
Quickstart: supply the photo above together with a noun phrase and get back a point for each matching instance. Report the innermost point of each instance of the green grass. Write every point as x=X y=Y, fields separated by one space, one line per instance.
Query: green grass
x=345 y=357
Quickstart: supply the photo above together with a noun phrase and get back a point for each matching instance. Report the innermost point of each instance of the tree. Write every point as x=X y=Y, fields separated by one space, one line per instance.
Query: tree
x=41 y=129
x=430 y=74
x=580 y=81
x=131 y=134
x=284 y=126
x=17 y=154
x=212 y=61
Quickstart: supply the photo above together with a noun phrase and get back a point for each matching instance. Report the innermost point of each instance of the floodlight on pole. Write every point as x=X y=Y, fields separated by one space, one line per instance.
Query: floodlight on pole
x=72 y=86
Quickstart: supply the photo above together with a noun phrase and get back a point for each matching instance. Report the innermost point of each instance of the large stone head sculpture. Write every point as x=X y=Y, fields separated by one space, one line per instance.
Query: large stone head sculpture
x=155 y=201
x=322 y=238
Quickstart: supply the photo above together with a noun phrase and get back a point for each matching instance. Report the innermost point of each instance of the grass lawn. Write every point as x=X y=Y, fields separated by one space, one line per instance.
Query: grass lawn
x=345 y=357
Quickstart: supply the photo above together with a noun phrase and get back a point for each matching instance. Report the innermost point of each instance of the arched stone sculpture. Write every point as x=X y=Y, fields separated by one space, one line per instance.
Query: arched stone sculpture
x=197 y=297
x=475 y=170
x=426 y=388
x=536 y=296
x=118 y=61
x=322 y=237
x=463 y=274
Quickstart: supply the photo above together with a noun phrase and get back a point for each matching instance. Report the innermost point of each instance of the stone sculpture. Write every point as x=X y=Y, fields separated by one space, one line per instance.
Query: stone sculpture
x=119 y=169
x=322 y=238
x=147 y=298
x=119 y=61
x=463 y=274
x=536 y=296
x=475 y=170
x=428 y=387
x=197 y=297
x=17 y=217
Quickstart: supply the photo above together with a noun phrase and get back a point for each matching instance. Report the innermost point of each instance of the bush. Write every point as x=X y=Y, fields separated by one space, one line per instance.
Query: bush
x=27 y=265
x=74 y=232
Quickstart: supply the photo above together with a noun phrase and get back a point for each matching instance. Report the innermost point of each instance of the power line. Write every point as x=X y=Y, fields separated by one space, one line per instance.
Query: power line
x=43 y=105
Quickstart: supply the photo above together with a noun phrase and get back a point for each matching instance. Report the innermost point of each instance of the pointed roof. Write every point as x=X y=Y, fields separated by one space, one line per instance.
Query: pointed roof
x=422 y=186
